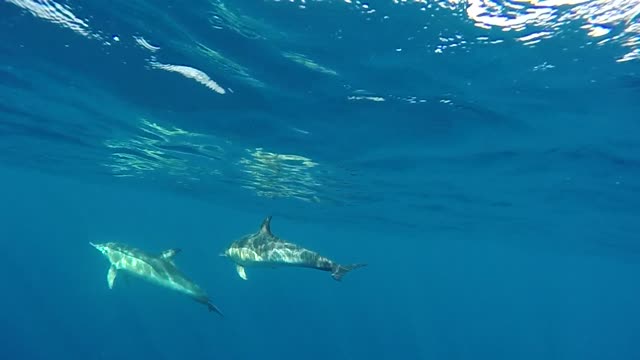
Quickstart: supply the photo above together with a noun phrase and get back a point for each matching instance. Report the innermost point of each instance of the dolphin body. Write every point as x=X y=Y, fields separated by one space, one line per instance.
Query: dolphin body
x=159 y=270
x=263 y=249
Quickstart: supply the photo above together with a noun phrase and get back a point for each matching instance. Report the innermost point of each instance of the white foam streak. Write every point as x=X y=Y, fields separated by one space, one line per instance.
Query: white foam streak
x=191 y=73
x=55 y=13
x=145 y=44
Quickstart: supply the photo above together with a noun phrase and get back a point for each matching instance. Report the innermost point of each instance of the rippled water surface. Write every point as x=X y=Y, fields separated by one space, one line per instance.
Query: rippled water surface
x=333 y=104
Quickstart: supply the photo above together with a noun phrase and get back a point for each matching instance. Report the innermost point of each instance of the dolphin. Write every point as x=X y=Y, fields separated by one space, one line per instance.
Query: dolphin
x=159 y=270
x=263 y=249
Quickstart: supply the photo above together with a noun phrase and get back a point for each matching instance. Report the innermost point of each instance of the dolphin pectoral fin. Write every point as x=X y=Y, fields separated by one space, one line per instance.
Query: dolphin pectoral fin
x=169 y=254
x=111 y=276
x=241 y=273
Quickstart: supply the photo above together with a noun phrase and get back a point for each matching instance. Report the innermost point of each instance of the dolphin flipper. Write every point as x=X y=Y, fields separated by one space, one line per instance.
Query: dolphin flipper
x=169 y=254
x=240 y=271
x=111 y=276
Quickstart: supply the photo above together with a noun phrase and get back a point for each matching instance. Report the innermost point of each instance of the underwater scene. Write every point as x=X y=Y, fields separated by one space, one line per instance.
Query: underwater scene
x=307 y=179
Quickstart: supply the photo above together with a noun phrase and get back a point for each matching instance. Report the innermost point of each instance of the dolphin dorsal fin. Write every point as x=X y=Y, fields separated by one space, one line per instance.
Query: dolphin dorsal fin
x=265 y=228
x=169 y=254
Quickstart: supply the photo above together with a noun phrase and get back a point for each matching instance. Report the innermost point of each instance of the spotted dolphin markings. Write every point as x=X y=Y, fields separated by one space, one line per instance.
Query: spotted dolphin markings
x=157 y=269
x=263 y=249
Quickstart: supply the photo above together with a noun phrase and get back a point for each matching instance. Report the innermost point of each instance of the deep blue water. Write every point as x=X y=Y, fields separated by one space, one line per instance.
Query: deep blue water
x=481 y=157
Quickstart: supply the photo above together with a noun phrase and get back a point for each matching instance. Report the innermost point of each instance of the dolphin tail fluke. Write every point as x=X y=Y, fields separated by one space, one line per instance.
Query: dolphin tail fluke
x=212 y=307
x=339 y=271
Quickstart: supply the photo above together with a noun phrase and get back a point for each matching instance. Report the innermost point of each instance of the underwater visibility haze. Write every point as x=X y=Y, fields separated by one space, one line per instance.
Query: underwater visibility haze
x=427 y=179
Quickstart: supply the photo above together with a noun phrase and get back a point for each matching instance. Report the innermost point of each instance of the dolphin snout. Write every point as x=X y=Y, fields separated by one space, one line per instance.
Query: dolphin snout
x=98 y=247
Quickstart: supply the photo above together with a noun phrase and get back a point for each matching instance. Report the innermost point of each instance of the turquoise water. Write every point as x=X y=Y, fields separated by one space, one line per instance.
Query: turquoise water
x=481 y=157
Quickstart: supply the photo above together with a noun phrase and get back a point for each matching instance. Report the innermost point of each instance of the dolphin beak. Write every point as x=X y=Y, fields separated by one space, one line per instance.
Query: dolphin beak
x=222 y=254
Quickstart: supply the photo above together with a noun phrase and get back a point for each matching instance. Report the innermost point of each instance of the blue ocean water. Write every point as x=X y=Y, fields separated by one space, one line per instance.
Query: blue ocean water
x=482 y=157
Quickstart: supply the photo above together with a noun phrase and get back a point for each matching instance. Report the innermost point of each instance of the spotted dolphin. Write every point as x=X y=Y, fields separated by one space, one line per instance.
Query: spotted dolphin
x=160 y=270
x=263 y=249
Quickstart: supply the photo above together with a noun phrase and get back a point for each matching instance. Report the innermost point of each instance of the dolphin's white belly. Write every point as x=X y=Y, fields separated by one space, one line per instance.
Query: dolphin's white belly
x=152 y=274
